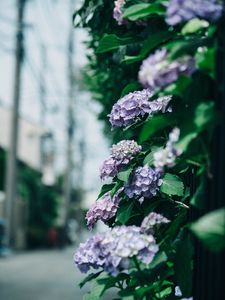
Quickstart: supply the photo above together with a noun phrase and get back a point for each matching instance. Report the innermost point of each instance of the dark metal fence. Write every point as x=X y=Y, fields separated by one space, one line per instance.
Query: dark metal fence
x=209 y=268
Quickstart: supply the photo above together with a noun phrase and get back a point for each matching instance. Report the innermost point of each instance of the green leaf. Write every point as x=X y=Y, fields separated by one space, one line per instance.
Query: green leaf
x=133 y=86
x=155 y=124
x=159 y=258
x=111 y=42
x=204 y=114
x=186 y=140
x=210 y=229
x=194 y=25
x=124 y=212
x=197 y=199
x=117 y=186
x=143 y=10
x=96 y=292
x=105 y=188
x=155 y=39
x=89 y=278
x=206 y=61
x=183 y=264
x=124 y=175
x=164 y=293
x=172 y=185
x=149 y=159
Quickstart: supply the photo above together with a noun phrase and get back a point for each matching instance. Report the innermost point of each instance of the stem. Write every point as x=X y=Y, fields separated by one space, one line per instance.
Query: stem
x=195 y=163
x=182 y=204
x=136 y=264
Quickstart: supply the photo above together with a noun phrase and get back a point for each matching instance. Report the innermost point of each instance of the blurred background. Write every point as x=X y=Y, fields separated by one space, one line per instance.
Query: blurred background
x=51 y=147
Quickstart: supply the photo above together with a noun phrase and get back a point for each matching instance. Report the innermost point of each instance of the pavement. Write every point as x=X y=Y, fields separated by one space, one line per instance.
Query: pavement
x=41 y=275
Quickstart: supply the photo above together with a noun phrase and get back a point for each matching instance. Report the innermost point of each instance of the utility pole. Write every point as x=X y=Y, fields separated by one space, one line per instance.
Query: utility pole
x=42 y=92
x=71 y=123
x=12 y=153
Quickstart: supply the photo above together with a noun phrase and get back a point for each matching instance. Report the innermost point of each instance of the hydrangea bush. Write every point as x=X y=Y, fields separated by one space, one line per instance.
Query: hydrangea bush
x=152 y=69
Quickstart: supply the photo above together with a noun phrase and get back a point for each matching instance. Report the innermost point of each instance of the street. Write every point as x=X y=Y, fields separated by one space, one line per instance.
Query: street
x=40 y=275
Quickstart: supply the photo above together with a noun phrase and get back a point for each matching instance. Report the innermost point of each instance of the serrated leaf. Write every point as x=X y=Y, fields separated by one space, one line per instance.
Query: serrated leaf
x=210 y=229
x=143 y=10
x=172 y=185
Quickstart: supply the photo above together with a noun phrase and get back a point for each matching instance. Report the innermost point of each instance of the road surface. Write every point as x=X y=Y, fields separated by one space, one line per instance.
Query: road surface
x=40 y=275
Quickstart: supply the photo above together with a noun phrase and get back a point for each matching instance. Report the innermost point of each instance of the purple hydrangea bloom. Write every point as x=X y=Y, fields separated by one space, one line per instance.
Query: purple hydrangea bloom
x=125 y=150
x=117 y=12
x=183 y=10
x=144 y=182
x=113 y=249
x=166 y=157
x=152 y=222
x=134 y=106
x=109 y=168
x=103 y=210
x=121 y=154
x=90 y=254
x=157 y=71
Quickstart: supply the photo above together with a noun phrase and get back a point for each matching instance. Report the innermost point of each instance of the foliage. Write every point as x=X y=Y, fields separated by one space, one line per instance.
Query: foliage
x=112 y=72
x=42 y=201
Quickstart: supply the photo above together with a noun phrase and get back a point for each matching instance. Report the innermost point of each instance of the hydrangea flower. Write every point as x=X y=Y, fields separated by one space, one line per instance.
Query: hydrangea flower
x=121 y=154
x=179 y=294
x=109 y=168
x=152 y=222
x=167 y=156
x=134 y=106
x=183 y=10
x=103 y=209
x=144 y=182
x=117 y=12
x=113 y=249
x=90 y=254
x=157 y=71
x=125 y=150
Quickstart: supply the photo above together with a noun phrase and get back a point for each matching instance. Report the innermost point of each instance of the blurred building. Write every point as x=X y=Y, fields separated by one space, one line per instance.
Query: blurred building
x=35 y=150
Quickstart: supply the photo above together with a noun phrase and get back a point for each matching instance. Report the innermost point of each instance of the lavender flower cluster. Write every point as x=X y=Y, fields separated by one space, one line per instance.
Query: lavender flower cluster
x=144 y=182
x=166 y=157
x=152 y=222
x=121 y=154
x=117 y=12
x=183 y=10
x=104 y=209
x=157 y=71
x=179 y=294
x=112 y=250
x=135 y=106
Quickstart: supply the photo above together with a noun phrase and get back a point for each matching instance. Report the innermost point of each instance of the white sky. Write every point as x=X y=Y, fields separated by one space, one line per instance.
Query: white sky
x=47 y=23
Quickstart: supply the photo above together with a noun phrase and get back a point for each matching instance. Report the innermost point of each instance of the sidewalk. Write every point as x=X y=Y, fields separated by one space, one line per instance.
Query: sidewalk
x=40 y=275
